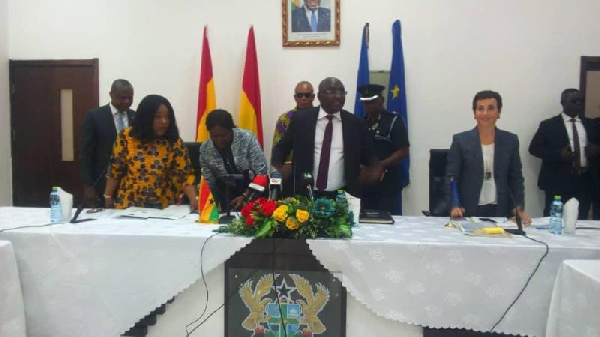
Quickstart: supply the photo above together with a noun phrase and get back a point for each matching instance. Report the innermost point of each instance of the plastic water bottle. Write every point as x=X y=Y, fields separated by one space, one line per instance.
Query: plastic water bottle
x=55 y=210
x=341 y=199
x=556 y=216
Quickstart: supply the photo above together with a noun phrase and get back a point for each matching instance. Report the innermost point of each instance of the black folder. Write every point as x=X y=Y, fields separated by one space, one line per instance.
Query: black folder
x=375 y=216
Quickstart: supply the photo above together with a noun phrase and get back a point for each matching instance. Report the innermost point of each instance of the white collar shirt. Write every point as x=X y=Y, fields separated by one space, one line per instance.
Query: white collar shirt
x=335 y=176
x=119 y=115
x=309 y=14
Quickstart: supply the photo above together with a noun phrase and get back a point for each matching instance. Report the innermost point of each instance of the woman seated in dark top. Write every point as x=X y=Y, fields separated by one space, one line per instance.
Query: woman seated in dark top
x=485 y=165
x=149 y=165
x=229 y=152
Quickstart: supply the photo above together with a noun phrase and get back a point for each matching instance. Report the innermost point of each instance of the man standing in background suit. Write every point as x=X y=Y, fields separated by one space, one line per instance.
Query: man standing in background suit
x=311 y=18
x=98 y=133
x=567 y=144
x=329 y=143
x=304 y=96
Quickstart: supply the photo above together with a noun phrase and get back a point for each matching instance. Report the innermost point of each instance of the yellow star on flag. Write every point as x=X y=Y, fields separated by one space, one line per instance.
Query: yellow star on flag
x=395 y=91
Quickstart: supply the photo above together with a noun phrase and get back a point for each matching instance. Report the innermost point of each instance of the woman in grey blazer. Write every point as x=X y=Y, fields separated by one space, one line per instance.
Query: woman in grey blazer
x=229 y=151
x=485 y=166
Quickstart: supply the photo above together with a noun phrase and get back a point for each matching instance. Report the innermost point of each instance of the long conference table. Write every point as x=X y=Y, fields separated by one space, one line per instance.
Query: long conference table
x=99 y=278
x=12 y=313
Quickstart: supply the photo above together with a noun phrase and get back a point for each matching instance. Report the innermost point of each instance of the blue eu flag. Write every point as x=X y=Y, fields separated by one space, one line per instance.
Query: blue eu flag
x=396 y=100
x=363 y=71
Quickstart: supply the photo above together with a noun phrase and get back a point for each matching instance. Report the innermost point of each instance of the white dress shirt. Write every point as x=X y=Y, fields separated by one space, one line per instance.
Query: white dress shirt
x=487 y=195
x=582 y=136
x=309 y=14
x=116 y=115
x=336 y=178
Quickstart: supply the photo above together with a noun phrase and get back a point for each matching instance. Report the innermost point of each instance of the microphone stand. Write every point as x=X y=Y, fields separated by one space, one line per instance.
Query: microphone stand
x=227 y=218
x=519 y=229
x=518 y=220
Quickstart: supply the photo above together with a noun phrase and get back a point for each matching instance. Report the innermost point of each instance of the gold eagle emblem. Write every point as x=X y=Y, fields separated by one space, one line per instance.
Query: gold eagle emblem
x=255 y=302
x=315 y=302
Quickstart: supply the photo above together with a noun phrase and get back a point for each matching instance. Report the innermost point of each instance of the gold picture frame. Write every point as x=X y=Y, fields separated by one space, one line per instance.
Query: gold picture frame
x=299 y=29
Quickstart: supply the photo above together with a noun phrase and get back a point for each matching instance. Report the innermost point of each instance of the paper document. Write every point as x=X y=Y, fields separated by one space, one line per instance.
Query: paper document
x=172 y=212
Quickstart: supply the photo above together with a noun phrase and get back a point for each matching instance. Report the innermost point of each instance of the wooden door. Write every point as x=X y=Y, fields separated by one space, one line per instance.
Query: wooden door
x=48 y=102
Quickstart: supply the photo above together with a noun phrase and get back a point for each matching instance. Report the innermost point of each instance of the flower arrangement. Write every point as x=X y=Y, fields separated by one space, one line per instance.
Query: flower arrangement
x=296 y=217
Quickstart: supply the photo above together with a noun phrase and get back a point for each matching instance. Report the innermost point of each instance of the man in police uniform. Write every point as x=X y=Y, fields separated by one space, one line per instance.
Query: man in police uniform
x=391 y=147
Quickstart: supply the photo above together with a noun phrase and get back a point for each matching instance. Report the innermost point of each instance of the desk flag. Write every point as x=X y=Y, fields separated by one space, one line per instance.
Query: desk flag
x=363 y=71
x=207 y=207
x=250 y=111
x=396 y=100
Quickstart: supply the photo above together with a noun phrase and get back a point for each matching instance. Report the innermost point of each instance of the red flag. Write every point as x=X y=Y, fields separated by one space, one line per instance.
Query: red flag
x=207 y=101
x=250 y=111
x=207 y=208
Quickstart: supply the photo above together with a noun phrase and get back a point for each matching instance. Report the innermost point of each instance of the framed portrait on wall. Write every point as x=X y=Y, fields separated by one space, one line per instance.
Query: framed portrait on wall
x=310 y=23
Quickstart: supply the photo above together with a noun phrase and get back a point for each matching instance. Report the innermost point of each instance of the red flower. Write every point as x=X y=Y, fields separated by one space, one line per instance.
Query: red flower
x=268 y=207
x=247 y=209
x=249 y=221
x=260 y=200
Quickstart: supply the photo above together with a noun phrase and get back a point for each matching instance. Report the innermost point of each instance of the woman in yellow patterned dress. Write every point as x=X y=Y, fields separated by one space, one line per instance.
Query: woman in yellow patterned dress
x=149 y=163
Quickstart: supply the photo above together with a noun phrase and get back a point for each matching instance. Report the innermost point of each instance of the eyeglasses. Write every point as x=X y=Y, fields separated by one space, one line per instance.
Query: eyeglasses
x=304 y=94
x=332 y=92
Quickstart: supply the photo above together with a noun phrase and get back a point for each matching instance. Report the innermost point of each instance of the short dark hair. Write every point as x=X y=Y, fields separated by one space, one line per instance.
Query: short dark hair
x=329 y=81
x=485 y=94
x=119 y=83
x=221 y=118
x=565 y=92
x=144 y=119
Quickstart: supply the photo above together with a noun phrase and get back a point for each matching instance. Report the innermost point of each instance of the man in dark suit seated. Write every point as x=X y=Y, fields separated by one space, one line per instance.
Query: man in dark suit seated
x=568 y=145
x=311 y=18
x=329 y=143
x=98 y=133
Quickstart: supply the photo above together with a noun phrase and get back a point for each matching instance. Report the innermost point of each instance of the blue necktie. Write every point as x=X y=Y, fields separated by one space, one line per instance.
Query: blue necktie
x=120 y=122
x=313 y=22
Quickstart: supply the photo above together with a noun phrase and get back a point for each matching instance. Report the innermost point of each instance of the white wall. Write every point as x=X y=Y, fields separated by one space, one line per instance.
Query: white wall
x=5 y=164
x=528 y=50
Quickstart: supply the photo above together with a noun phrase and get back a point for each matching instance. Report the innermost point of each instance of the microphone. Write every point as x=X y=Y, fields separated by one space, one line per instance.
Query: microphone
x=518 y=220
x=82 y=204
x=307 y=182
x=275 y=186
x=257 y=187
x=230 y=179
x=249 y=176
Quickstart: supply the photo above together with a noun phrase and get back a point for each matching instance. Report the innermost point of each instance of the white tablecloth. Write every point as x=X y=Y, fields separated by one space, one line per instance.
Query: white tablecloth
x=575 y=307
x=12 y=314
x=99 y=278
x=419 y=272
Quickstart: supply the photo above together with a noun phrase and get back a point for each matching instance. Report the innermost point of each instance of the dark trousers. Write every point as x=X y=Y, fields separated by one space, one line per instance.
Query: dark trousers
x=581 y=185
x=381 y=201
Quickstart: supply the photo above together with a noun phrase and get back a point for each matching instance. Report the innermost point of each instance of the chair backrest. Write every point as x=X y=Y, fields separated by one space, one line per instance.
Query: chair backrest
x=438 y=203
x=193 y=150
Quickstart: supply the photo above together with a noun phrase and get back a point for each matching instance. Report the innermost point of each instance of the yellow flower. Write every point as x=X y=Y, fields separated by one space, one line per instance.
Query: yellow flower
x=292 y=223
x=302 y=215
x=280 y=213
